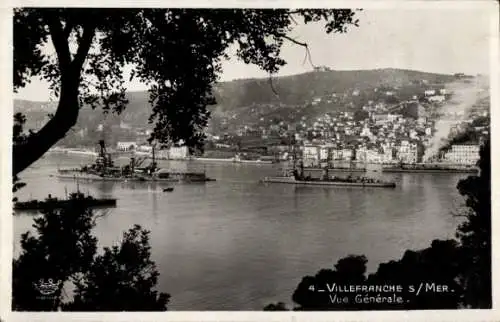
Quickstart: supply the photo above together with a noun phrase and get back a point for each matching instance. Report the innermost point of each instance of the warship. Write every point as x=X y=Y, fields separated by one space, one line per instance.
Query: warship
x=104 y=169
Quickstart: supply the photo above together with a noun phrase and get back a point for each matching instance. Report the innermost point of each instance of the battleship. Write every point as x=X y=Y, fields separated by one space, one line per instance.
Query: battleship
x=104 y=169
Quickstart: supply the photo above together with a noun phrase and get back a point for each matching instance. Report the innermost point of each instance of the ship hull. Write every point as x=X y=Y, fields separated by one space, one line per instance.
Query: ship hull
x=403 y=170
x=38 y=205
x=81 y=177
x=329 y=183
x=232 y=160
x=337 y=169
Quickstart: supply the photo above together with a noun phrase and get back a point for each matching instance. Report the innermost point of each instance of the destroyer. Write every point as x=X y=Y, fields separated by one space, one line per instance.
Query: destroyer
x=54 y=203
x=294 y=177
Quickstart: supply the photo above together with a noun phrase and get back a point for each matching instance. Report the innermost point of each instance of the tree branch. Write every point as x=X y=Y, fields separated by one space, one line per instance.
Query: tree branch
x=68 y=108
x=64 y=119
x=59 y=40
x=83 y=47
x=67 y=29
x=272 y=85
x=303 y=44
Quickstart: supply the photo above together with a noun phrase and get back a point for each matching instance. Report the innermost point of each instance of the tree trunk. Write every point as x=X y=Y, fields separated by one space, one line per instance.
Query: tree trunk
x=23 y=155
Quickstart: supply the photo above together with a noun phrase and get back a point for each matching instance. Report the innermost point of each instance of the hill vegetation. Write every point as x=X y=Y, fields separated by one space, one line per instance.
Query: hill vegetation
x=239 y=100
x=301 y=88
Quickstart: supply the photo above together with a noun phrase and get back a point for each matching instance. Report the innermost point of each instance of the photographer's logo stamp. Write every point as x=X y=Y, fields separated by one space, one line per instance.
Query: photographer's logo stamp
x=47 y=288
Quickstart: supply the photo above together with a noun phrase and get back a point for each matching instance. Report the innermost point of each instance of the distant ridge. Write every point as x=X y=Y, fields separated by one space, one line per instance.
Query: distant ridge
x=290 y=90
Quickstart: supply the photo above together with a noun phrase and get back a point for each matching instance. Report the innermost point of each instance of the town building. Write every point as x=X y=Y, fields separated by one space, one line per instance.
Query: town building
x=407 y=152
x=126 y=146
x=437 y=98
x=463 y=154
x=144 y=148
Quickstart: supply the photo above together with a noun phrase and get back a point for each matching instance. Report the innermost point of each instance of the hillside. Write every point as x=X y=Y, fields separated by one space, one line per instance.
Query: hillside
x=243 y=99
x=297 y=89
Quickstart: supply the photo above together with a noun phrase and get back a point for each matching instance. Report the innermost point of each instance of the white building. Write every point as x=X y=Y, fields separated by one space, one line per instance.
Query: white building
x=144 y=148
x=347 y=154
x=393 y=117
x=316 y=101
x=430 y=92
x=178 y=152
x=366 y=132
x=311 y=152
x=407 y=152
x=373 y=156
x=126 y=146
x=463 y=154
x=387 y=155
x=361 y=154
x=437 y=98
x=336 y=154
x=323 y=153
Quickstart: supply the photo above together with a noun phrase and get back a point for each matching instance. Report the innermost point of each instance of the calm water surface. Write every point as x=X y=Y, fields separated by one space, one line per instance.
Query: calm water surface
x=237 y=244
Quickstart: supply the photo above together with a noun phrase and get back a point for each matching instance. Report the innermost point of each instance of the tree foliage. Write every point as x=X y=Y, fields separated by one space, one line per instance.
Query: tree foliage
x=475 y=234
x=61 y=248
x=122 y=278
x=176 y=52
x=64 y=252
x=437 y=264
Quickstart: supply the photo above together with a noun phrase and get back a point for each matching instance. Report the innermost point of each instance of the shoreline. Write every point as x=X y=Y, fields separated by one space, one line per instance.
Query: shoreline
x=430 y=169
x=68 y=151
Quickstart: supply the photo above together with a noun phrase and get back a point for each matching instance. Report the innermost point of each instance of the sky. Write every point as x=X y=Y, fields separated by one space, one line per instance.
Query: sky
x=432 y=40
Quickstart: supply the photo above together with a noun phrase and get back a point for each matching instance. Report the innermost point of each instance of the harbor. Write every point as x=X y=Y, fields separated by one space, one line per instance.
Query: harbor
x=240 y=159
x=235 y=215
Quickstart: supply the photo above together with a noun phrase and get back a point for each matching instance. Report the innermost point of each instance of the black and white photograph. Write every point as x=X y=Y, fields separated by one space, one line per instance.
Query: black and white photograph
x=251 y=158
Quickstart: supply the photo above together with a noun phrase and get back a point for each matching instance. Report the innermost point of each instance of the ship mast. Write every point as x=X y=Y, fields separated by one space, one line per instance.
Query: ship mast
x=153 y=162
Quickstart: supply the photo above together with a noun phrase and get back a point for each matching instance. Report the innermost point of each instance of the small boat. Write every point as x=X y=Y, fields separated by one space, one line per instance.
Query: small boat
x=169 y=189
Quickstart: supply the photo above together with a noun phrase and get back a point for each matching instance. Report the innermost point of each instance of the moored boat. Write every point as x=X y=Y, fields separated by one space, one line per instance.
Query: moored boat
x=429 y=169
x=363 y=182
x=55 y=203
x=292 y=176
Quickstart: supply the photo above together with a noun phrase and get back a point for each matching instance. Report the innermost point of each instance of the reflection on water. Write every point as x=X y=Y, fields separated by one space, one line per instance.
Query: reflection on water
x=237 y=244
